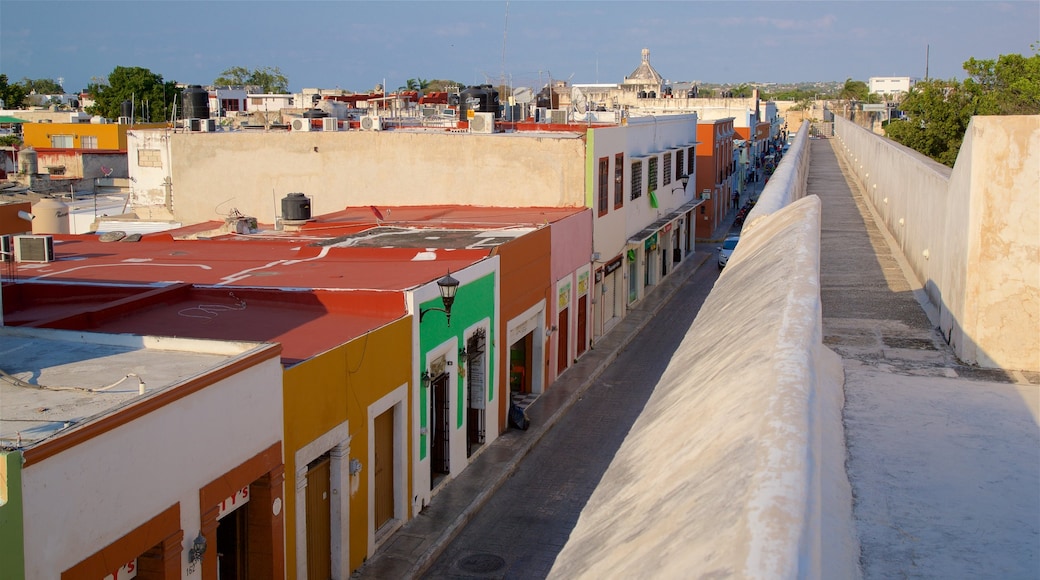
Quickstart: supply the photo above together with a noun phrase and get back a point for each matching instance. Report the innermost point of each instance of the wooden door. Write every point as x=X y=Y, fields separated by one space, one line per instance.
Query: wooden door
x=562 y=341
x=319 y=520
x=441 y=423
x=384 y=468
x=582 y=330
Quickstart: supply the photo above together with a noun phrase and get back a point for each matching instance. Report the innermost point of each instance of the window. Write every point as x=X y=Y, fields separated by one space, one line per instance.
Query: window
x=604 y=183
x=228 y=105
x=61 y=141
x=667 y=168
x=88 y=142
x=619 y=180
x=257 y=101
x=691 y=158
x=651 y=174
x=679 y=165
x=637 y=179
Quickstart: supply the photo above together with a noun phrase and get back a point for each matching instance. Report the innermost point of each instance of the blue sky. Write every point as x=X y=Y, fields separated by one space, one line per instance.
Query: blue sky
x=356 y=45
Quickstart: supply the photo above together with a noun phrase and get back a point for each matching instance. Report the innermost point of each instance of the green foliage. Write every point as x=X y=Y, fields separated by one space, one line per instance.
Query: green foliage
x=13 y=95
x=854 y=91
x=1008 y=86
x=152 y=98
x=938 y=112
x=10 y=140
x=42 y=86
x=443 y=85
x=267 y=79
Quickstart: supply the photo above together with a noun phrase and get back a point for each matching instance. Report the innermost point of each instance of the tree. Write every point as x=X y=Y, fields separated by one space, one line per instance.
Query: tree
x=854 y=91
x=938 y=112
x=42 y=86
x=1009 y=85
x=13 y=95
x=151 y=98
x=266 y=79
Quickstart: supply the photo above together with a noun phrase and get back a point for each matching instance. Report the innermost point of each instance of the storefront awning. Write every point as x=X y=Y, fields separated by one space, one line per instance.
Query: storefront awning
x=663 y=221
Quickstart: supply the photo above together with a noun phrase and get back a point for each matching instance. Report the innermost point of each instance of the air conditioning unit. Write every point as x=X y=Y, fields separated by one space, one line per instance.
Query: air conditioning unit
x=558 y=116
x=330 y=124
x=541 y=115
x=34 y=248
x=193 y=124
x=371 y=123
x=208 y=125
x=6 y=248
x=482 y=123
x=302 y=124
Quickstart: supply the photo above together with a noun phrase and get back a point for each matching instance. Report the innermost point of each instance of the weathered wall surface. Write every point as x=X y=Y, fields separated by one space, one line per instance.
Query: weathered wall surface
x=970 y=234
x=215 y=173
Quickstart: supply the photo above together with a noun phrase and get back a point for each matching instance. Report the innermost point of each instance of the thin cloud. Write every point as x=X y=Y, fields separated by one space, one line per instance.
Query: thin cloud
x=825 y=22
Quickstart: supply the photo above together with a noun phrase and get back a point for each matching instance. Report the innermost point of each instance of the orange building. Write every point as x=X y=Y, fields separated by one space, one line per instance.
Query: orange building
x=715 y=168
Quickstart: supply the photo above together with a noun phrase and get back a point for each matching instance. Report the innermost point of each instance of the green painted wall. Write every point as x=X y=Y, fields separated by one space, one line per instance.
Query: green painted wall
x=12 y=556
x=474 y=301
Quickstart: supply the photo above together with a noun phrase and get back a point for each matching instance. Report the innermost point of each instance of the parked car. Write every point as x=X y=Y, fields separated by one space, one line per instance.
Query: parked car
x=726 y=249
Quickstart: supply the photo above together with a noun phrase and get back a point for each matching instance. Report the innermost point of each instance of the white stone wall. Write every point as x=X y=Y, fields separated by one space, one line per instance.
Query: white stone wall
x=970 y=234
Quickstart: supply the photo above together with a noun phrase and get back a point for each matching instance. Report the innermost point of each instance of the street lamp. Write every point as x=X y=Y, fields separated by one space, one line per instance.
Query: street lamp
x=447 y=287
x=684 y=178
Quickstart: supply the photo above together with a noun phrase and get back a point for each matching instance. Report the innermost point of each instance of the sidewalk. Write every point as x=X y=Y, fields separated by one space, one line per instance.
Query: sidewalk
x=414 y=547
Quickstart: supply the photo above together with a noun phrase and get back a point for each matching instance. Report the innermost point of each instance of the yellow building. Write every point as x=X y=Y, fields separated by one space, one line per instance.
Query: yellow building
x=346 y=451
x=103 y=137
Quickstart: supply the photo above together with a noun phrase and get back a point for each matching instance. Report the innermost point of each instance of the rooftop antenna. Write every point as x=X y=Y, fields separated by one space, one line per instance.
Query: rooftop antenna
x=505 y=33
x=926 y=49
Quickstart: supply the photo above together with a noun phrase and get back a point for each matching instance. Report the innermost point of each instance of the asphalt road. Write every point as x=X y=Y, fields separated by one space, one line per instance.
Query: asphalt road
x=523 y=527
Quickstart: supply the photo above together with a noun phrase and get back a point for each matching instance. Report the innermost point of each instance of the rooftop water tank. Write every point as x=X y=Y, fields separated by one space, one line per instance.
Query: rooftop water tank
x=28 y=162
x=50 y=216
x=296 y=207
x=196 y=102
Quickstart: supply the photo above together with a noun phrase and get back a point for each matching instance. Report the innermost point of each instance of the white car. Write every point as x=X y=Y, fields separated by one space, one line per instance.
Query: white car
x=726 y=249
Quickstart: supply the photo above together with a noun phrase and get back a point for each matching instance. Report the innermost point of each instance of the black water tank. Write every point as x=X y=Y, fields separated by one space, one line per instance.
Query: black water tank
x=296 y=207
x=196 y=102
x=471 y=99
x=126 y=108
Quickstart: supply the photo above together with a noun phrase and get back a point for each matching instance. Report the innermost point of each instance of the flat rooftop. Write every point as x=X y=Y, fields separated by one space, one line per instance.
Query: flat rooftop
x=89 y=376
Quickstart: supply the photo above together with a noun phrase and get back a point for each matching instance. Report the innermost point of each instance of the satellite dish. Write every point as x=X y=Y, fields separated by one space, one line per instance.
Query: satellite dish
x=523 y=95
x=578 y=101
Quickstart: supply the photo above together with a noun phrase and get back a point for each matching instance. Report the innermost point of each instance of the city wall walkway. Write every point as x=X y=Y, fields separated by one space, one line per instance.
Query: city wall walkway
x=942 y=457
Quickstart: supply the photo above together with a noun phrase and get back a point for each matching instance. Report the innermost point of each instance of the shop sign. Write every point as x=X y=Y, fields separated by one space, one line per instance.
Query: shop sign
x=599 y=275
x=583 y=283
x=234 y=502
x=125 y=572
x=564 y=298
x=651 y=243
x=612 y=265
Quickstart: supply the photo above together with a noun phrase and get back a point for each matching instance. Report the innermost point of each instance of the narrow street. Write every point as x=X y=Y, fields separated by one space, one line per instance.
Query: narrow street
x=522 y=528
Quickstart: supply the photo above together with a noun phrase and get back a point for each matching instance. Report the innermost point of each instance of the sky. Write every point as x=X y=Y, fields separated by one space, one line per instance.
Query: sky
x=357 y=45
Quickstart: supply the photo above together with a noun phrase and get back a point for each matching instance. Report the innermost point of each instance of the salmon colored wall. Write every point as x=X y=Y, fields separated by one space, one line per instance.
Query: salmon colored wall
x=713 y=155
x=526 y=269
x=338 y=386
x=10 y=223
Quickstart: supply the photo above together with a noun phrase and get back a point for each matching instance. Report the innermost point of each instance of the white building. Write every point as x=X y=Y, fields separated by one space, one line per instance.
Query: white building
x=891 y=85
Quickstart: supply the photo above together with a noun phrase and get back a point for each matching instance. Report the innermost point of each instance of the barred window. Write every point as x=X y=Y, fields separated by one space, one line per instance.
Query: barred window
x=691 y=159
x=619 y=181
x=679 y=164
x=651 y=174
x=604 y=183
x=637 y=179
x=667 y=168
